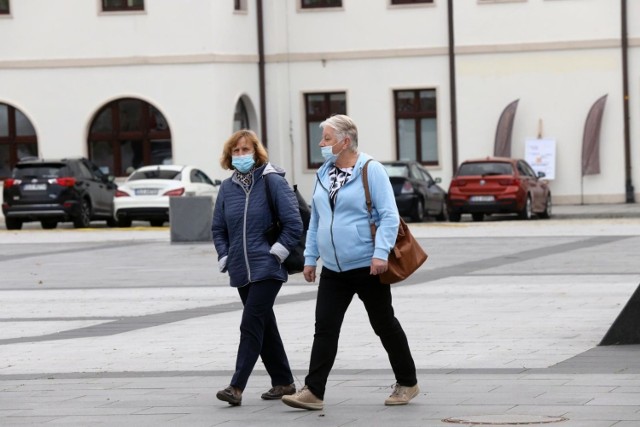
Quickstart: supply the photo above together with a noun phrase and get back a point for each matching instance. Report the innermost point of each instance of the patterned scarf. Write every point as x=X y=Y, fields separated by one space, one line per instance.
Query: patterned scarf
x=246 y=179
x=338 y=177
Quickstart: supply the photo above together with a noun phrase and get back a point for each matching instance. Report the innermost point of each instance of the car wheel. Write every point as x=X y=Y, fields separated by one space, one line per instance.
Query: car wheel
x=83 y=220
x=454 y=217
x=546 y=214
x=477 y=217
x=525 y=213
x=444 y=214
x=124 y=222
x=418 y=213
x=156 y=222
x=13 y=224
x=49 y=224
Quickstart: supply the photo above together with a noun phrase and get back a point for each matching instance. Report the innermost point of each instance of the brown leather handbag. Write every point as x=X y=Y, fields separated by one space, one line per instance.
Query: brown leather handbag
x=407 y=255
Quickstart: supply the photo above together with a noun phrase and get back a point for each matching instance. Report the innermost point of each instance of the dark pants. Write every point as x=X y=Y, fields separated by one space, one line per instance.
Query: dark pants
x=335 y=292
x=259 y=335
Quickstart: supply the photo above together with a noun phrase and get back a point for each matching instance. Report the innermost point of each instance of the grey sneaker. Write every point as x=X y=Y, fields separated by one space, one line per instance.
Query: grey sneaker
x=303 y=399
x=402 y=395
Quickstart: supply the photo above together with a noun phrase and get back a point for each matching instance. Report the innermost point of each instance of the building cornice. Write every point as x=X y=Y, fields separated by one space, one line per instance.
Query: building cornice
x=313 y=56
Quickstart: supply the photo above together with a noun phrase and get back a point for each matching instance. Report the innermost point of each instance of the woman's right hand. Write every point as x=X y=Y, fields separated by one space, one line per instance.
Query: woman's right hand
x=309 y=273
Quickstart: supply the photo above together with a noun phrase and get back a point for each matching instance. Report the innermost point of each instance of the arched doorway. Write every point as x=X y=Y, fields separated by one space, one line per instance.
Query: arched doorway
x=18 y=139
x=241 y=116
x=129 y=133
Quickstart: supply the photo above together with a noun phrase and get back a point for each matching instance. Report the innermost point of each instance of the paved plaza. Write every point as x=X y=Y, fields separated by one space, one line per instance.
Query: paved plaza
x=123 y=328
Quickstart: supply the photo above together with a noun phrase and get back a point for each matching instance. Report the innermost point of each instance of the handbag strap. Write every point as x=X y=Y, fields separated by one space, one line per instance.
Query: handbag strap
x=271 y=207
x=367 y=195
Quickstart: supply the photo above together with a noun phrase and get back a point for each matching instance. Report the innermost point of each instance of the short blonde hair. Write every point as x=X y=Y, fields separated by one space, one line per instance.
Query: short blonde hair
x=260 y=153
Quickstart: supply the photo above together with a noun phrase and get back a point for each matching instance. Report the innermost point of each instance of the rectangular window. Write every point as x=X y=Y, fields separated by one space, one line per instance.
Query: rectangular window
x=310 y=4
x=4 y=7
x=410 y=1
x=416 y=125
x=119 y=5
x=319 y=107
x=240 y=5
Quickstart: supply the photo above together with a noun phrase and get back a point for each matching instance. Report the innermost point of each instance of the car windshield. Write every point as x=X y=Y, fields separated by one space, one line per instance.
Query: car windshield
x=40 y=171
x=397 y=170
x=487 y=168
x=155 y=174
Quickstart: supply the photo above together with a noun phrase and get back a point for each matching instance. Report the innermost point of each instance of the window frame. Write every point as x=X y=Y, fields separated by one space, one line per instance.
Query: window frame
x=124 y=8
x=319 y=117
x=322 y=4
x=5 y=10
x=405 y=2
x=417 y=115
x=13 y=140
x=240 y=5
x=117 y=138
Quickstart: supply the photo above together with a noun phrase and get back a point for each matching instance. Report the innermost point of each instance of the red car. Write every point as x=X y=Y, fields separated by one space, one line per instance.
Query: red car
x=498 y=185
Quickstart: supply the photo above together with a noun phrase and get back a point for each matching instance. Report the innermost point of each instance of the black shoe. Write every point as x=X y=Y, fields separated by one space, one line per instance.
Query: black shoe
x=231 y=394
x=278 y=391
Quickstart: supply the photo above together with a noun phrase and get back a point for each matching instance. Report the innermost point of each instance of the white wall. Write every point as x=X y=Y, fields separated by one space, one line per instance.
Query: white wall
x=193 y=59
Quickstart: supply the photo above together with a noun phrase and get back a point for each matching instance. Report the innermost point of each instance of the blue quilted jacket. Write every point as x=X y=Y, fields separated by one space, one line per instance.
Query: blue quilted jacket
x=240 y=219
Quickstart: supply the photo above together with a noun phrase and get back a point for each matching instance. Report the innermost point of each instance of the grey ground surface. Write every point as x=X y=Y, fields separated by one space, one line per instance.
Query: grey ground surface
x=121 y=327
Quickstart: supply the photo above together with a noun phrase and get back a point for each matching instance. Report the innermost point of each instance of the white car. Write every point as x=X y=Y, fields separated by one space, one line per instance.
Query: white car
x=144 y=196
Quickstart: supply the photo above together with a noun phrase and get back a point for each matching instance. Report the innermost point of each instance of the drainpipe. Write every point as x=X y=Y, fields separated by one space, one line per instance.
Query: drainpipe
x=630 y=197
x=452 y=89
x=263 y=102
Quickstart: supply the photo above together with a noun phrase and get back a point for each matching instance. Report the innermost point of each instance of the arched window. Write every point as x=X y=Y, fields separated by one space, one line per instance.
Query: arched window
x=17 y=139
x=129 y=133
x=240 y=116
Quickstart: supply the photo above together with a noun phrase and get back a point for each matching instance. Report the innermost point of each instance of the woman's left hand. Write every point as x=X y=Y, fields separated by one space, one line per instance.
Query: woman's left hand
x=378 y=266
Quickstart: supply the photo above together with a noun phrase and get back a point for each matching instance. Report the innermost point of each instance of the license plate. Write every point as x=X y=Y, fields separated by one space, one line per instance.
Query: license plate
x=34 y=187
x=481 y=199
x=146 y=191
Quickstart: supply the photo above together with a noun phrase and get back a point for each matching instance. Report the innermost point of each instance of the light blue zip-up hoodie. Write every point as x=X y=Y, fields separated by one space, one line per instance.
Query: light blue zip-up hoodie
x=341 y=237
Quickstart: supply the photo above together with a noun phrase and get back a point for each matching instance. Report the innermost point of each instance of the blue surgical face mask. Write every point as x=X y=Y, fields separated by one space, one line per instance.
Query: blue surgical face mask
x=243 y=163
x=327 y=153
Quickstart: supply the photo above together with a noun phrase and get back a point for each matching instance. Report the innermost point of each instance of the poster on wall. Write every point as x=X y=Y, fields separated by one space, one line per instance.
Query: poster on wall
x=541 y=155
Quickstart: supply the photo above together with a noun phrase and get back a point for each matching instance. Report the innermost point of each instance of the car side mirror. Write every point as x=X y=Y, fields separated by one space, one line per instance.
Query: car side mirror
x=541 y=174
x=217 y=182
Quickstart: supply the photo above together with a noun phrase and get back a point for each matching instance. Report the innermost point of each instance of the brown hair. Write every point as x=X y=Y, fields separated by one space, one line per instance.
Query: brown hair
x=260 y=153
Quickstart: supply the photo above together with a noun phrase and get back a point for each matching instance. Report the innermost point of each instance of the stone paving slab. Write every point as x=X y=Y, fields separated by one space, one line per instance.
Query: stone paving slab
x=493 y=335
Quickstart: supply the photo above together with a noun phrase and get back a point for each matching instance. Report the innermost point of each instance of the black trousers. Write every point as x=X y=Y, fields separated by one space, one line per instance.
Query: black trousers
x=335 y=292
x=259 y=335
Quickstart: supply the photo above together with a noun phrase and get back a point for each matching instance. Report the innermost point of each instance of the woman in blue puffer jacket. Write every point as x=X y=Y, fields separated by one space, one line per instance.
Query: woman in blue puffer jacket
x=240 y=219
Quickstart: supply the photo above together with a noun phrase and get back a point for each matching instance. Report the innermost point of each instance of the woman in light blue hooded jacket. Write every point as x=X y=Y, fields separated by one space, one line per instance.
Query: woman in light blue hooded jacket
x=340 y=235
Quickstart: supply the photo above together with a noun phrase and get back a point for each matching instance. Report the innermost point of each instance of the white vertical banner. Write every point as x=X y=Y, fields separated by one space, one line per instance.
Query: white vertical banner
x=541 y=155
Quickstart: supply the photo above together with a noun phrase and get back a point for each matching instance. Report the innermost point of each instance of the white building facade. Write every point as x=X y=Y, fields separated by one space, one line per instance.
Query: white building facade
x=133 y=82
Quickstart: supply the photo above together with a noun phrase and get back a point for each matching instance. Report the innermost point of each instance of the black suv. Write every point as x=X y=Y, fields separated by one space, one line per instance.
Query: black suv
x=52 y=191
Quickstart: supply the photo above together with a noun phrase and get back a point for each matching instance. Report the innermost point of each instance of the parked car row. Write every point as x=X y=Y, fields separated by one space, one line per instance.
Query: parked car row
x=76 y=190
x=480 y=187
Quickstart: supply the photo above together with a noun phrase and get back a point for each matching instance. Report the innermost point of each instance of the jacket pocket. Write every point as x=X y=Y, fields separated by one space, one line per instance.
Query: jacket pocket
x=350 y=243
